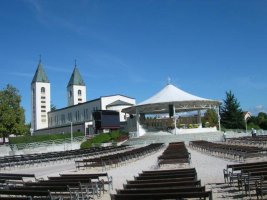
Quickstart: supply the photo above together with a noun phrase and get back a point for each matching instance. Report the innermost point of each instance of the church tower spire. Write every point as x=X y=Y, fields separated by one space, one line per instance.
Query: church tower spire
x=40 y=98
x=76 y=88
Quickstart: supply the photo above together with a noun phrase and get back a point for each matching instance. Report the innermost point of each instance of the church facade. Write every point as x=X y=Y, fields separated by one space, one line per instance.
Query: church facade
x=77 y=114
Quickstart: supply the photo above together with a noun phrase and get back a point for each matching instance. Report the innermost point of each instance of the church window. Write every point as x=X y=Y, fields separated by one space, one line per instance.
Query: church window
x=70 y=93
x=79 y=93
x=63 y=119
x=42 y=90
x=77 y=115
x=42 y=97
x=70 y=117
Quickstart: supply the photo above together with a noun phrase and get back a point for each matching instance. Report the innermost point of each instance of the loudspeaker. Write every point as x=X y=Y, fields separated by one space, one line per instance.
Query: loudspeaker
x=171 y=110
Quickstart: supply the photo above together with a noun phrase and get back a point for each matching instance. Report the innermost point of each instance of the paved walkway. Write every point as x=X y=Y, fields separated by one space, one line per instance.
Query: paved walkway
x=209 y=170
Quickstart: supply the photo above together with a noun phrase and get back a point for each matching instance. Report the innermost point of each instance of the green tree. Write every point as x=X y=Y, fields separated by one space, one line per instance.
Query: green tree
x=253 y=123
x=262 y=120
x=231 y=113
x=210 y=118
x=12 y=119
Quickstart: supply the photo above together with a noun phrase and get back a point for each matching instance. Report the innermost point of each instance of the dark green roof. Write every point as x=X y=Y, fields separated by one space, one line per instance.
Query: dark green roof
x=76 y=78
x=40 y=75
x=119 y=103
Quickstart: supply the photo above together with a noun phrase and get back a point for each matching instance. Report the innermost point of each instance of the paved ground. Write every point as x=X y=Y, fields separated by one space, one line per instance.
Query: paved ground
x=209 y=170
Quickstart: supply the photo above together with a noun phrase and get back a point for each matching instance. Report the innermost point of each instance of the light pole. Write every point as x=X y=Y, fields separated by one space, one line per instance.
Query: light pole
x=71 y=134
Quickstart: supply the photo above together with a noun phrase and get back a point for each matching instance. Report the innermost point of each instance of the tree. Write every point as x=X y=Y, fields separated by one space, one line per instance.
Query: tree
x=262 y=120
x=12 y=119
x=210 y=118
x=231 y=113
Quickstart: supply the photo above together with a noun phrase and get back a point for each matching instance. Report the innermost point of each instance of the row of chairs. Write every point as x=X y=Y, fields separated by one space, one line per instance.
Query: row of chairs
x=163 y=184
x=260 y=140
x=180 y=183
x=235 y=152
x=65 y=186
x=8 y=162
x=248 y=177
x=119 y=158
x=175 y=153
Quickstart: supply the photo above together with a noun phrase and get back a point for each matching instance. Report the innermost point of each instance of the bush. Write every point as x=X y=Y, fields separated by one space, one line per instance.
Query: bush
x=41 y=138
x=252 y=125
x=103 y=137
x=85 y=145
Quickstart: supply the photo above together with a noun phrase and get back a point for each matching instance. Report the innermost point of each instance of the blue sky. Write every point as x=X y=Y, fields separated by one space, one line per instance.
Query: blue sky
x=131 y=47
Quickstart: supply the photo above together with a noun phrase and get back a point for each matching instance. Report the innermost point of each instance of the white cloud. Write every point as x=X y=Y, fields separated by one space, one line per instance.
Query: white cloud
x=257 y=109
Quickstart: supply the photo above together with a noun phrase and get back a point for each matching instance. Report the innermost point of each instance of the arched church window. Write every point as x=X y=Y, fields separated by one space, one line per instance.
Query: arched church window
x=42 y=90
x=70 y=93
x=79 y=93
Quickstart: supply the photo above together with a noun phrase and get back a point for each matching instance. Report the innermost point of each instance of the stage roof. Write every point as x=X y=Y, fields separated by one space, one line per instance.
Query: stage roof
x=171 y=95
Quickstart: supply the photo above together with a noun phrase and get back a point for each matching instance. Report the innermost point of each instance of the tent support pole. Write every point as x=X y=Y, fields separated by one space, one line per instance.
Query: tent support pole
x=199 y=118
x=219 y=117
x=174 y=117
x=137 y=122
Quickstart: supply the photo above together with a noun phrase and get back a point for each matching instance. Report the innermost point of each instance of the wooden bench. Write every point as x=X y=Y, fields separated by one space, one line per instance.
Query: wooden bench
x=163 y=184
x=170 y=171
x=157 y=196
x=28 y=193
x=161 y=180
x=166 y=176
x=161 y=190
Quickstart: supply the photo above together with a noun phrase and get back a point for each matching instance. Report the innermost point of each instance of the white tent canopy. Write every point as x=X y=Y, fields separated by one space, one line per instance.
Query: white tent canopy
x=171 y=95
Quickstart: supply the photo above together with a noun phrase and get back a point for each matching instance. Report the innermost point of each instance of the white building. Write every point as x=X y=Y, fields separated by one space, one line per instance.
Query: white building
x=40 y=99
x=78 y=113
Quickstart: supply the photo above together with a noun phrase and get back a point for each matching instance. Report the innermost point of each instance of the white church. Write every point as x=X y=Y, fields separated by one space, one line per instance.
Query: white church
x=77 y=114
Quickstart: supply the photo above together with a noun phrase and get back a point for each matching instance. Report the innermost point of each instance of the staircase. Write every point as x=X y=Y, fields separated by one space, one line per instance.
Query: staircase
x=165 y=137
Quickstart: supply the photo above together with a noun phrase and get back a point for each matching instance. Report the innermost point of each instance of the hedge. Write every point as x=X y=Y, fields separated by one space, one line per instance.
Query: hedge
x=102 y=138
x=41 y=138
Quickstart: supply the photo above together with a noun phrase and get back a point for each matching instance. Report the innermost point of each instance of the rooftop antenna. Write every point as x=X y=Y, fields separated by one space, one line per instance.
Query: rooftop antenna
x=168 y=80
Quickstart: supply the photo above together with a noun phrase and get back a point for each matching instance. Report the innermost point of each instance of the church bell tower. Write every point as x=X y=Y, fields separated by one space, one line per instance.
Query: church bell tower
x=76 y=88
x=40 y=99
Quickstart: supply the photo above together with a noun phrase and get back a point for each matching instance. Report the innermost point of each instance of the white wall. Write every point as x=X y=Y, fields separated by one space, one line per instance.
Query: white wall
x=105 y=101
x=37 y=119
x=90 y=106
x=74 y=99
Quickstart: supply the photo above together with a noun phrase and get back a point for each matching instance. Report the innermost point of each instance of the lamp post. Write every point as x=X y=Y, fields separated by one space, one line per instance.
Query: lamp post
x=71 y=134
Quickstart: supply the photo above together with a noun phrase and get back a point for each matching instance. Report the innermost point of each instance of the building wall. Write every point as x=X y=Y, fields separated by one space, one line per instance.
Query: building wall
x=40 y=105
x=60 y=120
x=75 y=114
x=74 y=97
x=105 y=101
x=79 y=127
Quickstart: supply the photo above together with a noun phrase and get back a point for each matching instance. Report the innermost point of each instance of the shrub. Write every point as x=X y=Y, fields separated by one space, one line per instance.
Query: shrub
x=41 y=138
x=85 y=145
x=104 y=137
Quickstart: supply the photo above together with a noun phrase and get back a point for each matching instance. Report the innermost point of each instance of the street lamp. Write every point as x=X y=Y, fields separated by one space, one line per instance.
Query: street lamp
x=71 y=134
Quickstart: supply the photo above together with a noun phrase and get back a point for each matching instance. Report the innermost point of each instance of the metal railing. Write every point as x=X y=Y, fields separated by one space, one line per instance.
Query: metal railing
x=45 y=143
